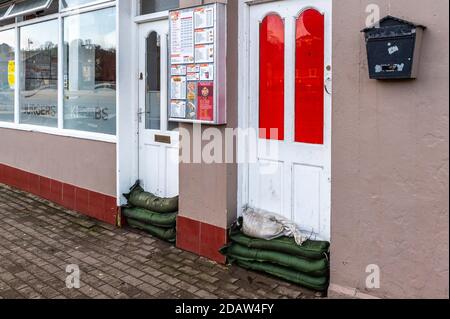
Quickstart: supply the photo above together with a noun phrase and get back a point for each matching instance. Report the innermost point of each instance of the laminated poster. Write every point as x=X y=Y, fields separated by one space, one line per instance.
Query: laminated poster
x=178 y=70
x=193 y=68
x=204 y=36
x=191 y=107
x=193 y=76
x=178 y=109
x=207 y=72
x=206 y=101
x=204 y=18
x=182 y=37
x=204 y=53
x=178 y=88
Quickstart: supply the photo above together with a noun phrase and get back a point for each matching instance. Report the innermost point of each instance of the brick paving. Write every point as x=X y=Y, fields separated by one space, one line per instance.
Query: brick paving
x=39 y=239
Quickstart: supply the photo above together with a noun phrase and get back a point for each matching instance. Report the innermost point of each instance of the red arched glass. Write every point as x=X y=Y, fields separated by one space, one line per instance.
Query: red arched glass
x=271 y=78
x=309 y=78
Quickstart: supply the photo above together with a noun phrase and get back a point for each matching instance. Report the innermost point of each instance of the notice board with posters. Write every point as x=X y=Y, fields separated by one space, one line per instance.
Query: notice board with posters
x=197 y=57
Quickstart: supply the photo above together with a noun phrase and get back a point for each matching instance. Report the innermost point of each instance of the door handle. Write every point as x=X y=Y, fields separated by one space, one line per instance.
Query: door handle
x=140 y=114
x=326 y=87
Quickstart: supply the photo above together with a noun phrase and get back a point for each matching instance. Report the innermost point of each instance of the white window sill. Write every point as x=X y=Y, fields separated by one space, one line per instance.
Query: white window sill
x=60 y=132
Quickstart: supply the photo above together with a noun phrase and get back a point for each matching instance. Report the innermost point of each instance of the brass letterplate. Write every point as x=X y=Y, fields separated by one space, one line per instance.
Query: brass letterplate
x=163 y=139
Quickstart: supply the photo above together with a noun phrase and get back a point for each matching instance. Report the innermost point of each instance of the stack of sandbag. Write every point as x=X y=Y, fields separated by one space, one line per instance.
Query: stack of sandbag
x=150 y=213
x=288 y=255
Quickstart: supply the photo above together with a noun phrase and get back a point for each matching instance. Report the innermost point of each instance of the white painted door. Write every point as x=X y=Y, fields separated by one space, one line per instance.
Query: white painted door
x=158 y=140
x=289 y=94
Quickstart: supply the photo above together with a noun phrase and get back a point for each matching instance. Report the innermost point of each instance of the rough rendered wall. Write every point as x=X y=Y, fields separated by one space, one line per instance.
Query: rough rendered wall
x=390 y=158
x=208 y=192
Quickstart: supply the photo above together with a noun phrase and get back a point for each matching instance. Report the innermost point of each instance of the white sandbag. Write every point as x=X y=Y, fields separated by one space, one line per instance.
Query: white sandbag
x=262 y=224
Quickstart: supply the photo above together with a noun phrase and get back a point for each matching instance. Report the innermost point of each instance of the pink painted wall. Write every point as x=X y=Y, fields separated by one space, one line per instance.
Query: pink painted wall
x=83 y=163
x=390 y=158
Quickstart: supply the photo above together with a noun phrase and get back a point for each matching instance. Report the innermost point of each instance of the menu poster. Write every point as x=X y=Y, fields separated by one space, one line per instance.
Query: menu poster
x=175 y=38
x=204 y=18
x=207 y=72
x=178 y=70
x=178 y=88
x=193 y=76
x=178 y=109
x=191 y=107
x=206 y=101
x=204 y=53
x=203 y=36
x=193 y=68
x=182 y=37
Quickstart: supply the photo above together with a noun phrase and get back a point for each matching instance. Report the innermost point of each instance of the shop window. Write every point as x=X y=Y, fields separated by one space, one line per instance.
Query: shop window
x=78 y=3
x=151 y=6
x=153 y=87
x=309 y=78
x=271 y=78
x=28 y=6
x=90 y=71
x=7 y=75
x=39 y=73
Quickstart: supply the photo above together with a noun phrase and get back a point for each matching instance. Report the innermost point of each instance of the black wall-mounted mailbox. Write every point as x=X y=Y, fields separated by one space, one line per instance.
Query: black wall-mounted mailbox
x=393 y=49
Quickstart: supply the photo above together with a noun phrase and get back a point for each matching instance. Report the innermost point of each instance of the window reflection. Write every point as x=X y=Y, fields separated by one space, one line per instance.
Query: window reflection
x=90 y=72
x=7 y=75
x=153 y=85
x=151 y=6
x=39 y=73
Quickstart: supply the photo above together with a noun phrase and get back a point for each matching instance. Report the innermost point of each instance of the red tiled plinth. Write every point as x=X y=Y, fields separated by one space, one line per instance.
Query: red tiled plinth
x=84 y=201
x=201 y=238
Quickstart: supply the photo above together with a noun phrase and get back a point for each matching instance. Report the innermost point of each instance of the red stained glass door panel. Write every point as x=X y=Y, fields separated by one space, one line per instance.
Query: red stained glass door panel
x=309 y=78
x=271 y=78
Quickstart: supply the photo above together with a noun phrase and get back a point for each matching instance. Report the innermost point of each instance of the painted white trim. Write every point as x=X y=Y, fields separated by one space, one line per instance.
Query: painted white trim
x=127 y=97
x=60 y=82
x=81 y=6
x=162 y=15
x=243 y=98
x=53 y=16
x=89 y=8
x=17 y=79
x=60 y=132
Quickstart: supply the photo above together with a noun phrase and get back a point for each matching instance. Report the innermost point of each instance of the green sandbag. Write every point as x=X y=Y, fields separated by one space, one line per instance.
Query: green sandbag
x=142 y=199
x=167 y=234
x=315 y=283
x=310 y=249
x=167 y=220
x=316 y=268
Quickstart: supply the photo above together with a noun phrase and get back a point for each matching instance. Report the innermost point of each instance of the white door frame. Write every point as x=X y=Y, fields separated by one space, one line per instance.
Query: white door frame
x=244 y=116
x=127 y=155
x=162 y=177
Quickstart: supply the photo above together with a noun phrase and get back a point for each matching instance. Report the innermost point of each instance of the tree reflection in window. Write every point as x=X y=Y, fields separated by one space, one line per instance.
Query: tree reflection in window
x=90 y=71
x=39 y=73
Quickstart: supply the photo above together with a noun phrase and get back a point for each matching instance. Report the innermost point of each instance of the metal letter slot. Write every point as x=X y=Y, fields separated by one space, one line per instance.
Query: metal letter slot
x=165 y=139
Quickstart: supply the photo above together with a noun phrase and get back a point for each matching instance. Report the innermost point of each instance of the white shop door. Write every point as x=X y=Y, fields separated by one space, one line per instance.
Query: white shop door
x=158 y=142
x=289 y=88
